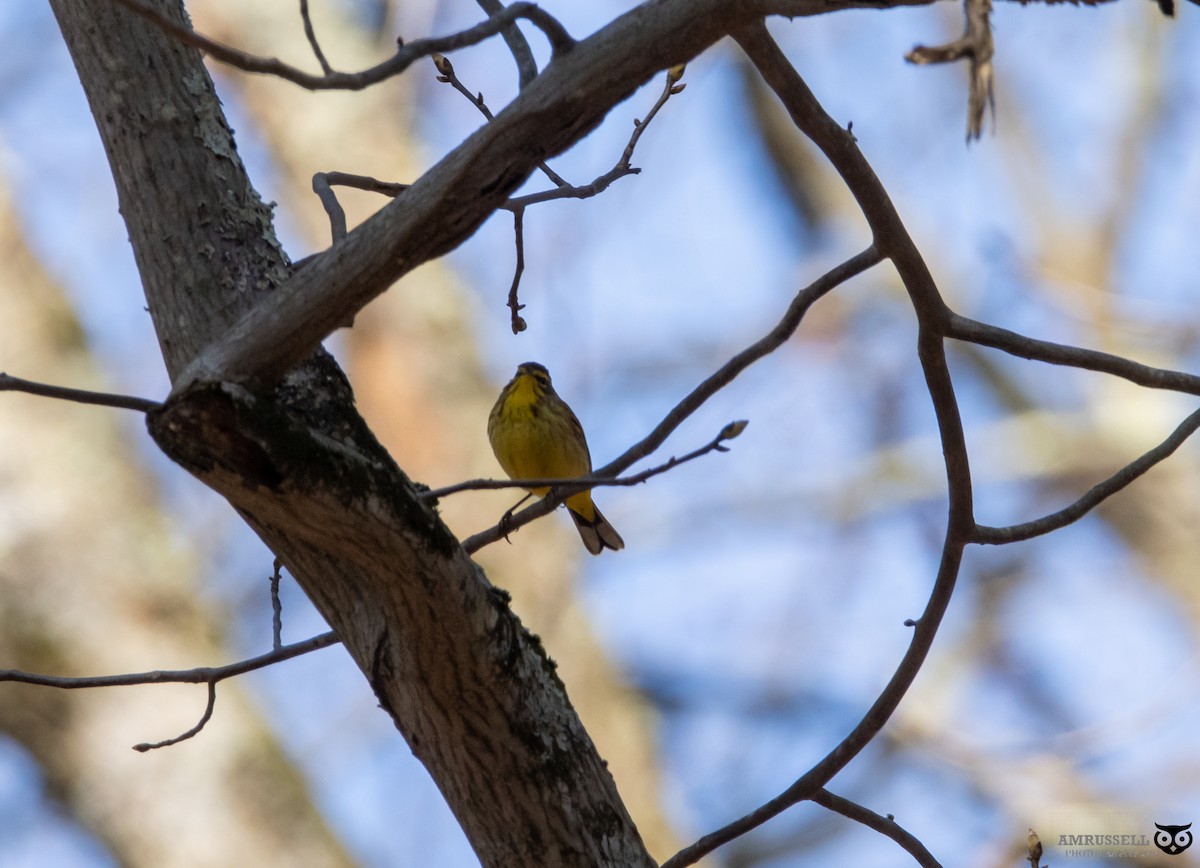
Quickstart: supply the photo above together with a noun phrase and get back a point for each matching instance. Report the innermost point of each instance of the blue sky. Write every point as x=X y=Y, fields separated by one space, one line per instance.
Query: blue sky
x=760 y=600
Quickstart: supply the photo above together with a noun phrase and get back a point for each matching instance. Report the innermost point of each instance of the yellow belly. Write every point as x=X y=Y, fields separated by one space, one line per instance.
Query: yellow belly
x=527 y=447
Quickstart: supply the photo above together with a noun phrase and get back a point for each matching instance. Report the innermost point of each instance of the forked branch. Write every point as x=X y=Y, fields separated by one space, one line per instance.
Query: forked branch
x=209 y=675
x=405 y=56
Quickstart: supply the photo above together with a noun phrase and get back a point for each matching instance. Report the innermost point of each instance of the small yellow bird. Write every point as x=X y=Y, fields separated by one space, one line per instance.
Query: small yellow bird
x=536 y=436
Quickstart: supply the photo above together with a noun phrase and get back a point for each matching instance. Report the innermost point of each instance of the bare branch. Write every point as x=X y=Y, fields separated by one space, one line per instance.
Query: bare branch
x=965 y=329
x=209 y=675
x=311 y=35
x=883 y=825
x=447 y=75
x=276 y=608
x=1094 y=496
x=622 y=167
x=893 y=241
x=199 y=675
x=518 y=322
x=977 y=46
x=724 y=375
x=405 y=56
x=204 y=719
x=574 y=485
x=79 y=396
x=516 y=42
x=761 y=348
x=324 y=181
x=322 y=184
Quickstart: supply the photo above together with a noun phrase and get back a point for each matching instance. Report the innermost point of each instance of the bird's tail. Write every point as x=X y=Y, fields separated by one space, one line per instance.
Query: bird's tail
x=597 y=534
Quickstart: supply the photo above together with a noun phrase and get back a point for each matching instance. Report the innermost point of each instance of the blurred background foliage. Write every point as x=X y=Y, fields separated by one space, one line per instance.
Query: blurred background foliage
x=759 y=605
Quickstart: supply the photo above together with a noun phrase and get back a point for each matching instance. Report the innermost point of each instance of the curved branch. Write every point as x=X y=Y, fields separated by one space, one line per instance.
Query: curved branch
x=405 y=56
x=1095 y=495
x=573 y=485
x=721 y=378
x=518 y=46
x=199 y=675
x=514 y=305
x=883 y=825
x=966 y=329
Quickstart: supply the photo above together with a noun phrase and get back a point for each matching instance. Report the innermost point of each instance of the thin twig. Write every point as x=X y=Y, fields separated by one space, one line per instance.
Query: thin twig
x=446 y=75
x=518 y=322
x=200 y=724
x=576 y=484
x=892 y=240
x=79 y=396
x=622 y=167
x=884 y=825
x=311 y=34
x=718 y=380
x=276 y=608
x=405 y=56
x=322 y=185
x=1094 y=496
x=324 y=181
x=209 y=675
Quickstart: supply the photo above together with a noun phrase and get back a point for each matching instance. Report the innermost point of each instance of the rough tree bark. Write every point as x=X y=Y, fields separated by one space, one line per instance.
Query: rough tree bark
x=431 y=415
x=260 y=414
x=472 y=692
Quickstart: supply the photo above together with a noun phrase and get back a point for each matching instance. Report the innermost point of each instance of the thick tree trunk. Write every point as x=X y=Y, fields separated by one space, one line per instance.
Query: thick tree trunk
x=432 y=416
x=472 y=692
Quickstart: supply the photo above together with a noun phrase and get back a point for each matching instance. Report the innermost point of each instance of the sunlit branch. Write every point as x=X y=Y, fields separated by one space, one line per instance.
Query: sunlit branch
x=883 y=825
x=404 y=57
x=722 y=377
x=1094 y=496
x=79 y=396
x=965 y=329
